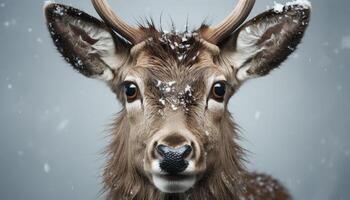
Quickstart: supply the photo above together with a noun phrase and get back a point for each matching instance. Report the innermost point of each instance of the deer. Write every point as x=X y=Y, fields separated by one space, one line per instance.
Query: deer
x=174 y=137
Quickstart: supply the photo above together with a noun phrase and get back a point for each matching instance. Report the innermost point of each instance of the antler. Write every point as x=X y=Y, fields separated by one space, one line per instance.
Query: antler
x=235 y=19
x=211 y=34
x=132 y=34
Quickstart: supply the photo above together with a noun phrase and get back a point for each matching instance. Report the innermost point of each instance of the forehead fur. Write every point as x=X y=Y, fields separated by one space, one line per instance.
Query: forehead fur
x=165 y=53
x=180 y=48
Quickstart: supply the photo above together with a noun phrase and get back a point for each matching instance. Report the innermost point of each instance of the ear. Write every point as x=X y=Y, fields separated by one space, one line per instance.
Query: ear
x=85 y=42
x=264 y=42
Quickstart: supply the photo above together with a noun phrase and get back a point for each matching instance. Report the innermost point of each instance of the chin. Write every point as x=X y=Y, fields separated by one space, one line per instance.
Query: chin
x=174 y=183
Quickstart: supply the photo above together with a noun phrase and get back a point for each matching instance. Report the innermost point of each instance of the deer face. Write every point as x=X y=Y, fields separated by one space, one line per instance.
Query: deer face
x=175 y=87
x=175 y=103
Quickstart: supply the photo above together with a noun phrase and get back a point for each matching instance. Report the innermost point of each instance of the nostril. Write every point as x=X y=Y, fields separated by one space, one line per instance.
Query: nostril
x=187 y=149
x=162 y=149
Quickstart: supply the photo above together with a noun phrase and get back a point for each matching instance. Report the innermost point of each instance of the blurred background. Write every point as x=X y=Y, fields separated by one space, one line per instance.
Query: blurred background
x=295 y=122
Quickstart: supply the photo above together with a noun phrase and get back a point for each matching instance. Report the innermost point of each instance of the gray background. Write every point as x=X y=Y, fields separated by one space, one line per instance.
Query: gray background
x=295 y=122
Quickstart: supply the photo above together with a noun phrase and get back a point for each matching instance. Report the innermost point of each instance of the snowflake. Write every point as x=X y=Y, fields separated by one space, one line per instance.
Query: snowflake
x=47 y=168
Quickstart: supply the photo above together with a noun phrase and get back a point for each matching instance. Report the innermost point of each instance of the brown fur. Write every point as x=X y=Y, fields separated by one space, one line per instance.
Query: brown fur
x=222 y=181
x=225 y=179
x=185 y=59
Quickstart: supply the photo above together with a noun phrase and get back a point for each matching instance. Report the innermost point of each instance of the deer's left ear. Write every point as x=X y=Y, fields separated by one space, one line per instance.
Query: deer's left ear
x=85 y=42
x=264 y=42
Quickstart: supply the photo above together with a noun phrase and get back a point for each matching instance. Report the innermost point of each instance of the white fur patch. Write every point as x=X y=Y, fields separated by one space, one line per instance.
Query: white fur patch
x=190 y=168
x=105 y=46
x=219 y=78
x=243 y=75
x=173 y=186
x=155 y=167
x=107 y=75
x=215 y=105
x=106 y=49
x=134 y=106
x=246 y=43
x=247 y=47
x=249 y=37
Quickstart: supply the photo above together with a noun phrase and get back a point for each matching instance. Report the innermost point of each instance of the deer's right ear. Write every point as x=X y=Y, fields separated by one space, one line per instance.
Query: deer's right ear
x=85 y=42
x=264 y=42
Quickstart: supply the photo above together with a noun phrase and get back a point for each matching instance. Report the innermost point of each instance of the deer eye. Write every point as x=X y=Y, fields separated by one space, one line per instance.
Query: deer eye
x=218 y=91
x=131 y=91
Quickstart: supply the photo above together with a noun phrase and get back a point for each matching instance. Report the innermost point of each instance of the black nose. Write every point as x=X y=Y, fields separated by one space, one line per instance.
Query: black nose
x=173 y=159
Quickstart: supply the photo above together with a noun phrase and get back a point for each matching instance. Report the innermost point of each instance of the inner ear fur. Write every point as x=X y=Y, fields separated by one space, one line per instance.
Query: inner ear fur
x=263 y=43
x=85 y=42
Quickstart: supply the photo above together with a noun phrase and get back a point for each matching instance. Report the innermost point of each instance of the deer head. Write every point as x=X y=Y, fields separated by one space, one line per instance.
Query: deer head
x=174 y=133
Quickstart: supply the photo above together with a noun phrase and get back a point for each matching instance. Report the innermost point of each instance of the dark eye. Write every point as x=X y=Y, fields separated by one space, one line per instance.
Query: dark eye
x=131 y=91
x=218 y=91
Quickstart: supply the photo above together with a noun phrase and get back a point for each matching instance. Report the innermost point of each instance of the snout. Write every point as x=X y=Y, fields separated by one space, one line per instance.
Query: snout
x=174 y=162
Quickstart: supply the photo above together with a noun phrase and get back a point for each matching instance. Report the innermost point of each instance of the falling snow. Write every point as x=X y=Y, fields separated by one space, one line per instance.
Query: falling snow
x=339 y=88
x=7 y=23
x=336 y=51
x=63 y=125
x=39 y=40
x=304 y=3
x=179 y=43
x=60 y=10
x=257 y=115
x=174 y=107
x=47 y=168
x=162 y=101
x=20 y=153
x=345 y=42
x=21 y=115
x=278 y=7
